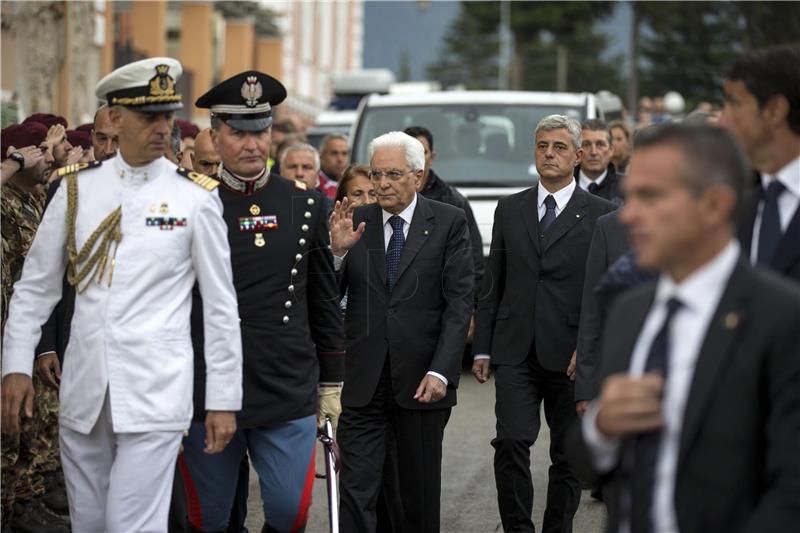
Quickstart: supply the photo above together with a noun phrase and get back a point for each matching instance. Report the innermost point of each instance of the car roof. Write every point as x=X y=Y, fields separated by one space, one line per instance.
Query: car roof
x=478 y=97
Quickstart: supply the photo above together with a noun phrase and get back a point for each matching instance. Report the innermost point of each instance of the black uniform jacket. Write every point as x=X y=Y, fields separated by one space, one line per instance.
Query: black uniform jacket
x=292 y=336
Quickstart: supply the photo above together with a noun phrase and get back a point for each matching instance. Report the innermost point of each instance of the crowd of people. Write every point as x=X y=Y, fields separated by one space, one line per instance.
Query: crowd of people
x=180 y=305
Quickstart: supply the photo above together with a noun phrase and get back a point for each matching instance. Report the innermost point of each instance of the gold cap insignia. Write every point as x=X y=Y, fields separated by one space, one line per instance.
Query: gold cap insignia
x=252 y=91
x=162 y=84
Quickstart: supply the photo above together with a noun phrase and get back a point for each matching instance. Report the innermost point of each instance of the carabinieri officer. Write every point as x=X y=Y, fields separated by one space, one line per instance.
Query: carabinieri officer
x=133 y=234
x=291 y=325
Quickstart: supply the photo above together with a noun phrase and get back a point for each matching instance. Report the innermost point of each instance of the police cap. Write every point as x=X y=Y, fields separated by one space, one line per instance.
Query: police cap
x=244 y=102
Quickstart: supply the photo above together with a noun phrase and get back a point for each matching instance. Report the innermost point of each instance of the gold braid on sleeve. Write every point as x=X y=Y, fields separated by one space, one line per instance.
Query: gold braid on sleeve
x=90 y=263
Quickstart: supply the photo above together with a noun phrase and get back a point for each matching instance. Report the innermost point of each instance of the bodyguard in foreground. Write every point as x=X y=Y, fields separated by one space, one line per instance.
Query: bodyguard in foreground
x=698 y=421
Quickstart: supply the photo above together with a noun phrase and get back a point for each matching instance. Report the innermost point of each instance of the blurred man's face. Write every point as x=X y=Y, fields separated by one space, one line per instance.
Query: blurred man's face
x=45 y=166
x=742 y=116
x=619 y=144
x=60 y=152
x=555 y=155
x=105 y=136
x=300 y=166
x=334 y=158
x=242 y=152
x=360 y=191
x=205 y=158
x=596 y=152
x=666 y=220
x=430 y=156
x=277 y=139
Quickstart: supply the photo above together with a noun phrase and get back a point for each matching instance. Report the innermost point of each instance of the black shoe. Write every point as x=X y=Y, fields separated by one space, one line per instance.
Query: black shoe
x=56 y=500
x=32 y=517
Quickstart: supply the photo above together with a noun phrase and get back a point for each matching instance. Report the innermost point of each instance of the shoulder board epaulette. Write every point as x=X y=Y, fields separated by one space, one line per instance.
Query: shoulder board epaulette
x=300 y=185
x=206 y=182
x=77 y=167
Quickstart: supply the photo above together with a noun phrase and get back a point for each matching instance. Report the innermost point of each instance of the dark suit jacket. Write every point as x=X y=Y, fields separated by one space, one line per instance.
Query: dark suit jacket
x=532 y=286
x=609 y=243
x=422 y=324
x=611 y=188
x=787 y=257
x=738 y=462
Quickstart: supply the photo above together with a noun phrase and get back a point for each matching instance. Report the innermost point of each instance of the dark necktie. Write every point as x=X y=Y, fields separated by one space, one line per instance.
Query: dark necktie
x=646 y=445
x=394 y=250
x=549 y=215
x=770 y=233
x=593 y=187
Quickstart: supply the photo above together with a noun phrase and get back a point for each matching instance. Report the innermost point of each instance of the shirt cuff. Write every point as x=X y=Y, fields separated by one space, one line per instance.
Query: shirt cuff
x=438 y=375
x=481 y=356
x=337 y=262
x=604 y=450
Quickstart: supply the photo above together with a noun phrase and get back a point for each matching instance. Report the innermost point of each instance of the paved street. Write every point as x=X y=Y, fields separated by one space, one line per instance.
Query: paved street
x=469 y=498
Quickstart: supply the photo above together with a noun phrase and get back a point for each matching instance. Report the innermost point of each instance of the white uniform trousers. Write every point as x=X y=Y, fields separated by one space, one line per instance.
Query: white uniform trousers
x=118 y=482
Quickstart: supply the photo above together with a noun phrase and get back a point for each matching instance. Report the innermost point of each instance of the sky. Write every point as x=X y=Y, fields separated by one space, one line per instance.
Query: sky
x=416 y=29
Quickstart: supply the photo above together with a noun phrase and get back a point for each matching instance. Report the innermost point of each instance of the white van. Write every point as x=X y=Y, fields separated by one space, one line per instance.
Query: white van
x=483 y=139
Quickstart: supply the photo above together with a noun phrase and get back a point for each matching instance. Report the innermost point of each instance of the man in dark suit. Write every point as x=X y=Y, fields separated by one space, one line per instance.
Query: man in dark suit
x=609 y=243
x=408 y=273
x=762 y=109
x=697 y=424
x=596 y=173
x=527 y=324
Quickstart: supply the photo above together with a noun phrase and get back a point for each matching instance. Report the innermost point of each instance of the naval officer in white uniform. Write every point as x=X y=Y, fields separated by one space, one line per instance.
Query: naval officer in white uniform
x=133 y=235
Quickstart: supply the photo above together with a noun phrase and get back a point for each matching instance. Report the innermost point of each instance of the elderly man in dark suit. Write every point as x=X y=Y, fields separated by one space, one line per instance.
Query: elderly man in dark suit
x=527 y=324
x=408 y=273
x=697 y=424
x=762 y=109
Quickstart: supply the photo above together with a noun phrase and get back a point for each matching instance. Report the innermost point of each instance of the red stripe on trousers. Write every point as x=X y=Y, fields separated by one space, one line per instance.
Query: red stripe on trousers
x=192 y=500
x=305 y=500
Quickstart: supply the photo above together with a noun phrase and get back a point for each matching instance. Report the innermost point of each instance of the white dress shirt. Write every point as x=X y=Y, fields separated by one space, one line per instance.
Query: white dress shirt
x=132 y=338
x=584 y=181
x=561 y=197
x=700 y=294
x=788 y=201
x=406 y=214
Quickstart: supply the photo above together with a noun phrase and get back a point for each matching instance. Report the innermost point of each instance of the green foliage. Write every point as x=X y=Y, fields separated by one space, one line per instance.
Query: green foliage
x=471 y=46
x=688 y=46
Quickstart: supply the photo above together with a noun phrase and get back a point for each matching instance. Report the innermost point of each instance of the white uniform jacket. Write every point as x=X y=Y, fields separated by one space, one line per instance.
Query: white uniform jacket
x=133 y=338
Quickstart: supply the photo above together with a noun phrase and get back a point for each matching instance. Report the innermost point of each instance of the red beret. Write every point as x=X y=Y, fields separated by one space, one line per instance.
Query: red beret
x=79 y=138
x=47 y=119
x=88 y=127
x=22 y=135
x=187 y=128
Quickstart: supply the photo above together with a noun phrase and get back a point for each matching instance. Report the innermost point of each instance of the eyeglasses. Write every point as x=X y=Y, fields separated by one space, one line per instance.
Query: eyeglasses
x=393 y=174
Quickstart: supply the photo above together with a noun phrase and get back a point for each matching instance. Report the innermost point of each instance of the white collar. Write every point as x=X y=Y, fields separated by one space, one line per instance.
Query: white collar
x=144 y=172
x=703 y=286
x=586 y=180
x=789 y=176
x=405 y=214
x=561 y=196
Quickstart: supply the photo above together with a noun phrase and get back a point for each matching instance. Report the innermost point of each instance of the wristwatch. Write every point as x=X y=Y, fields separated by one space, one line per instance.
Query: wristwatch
x=19 y=158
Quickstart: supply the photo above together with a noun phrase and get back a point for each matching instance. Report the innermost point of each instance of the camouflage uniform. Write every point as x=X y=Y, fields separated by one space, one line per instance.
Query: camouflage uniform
x=26 y=457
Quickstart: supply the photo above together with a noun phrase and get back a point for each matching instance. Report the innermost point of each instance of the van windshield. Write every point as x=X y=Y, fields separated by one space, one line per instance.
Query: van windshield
x=479 y=145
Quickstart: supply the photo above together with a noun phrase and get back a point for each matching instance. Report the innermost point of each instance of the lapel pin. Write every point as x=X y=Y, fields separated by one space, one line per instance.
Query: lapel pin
x=577 y=216
x=255 y=210
x=426 y=232
x=731 y=320
x=164 y=209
